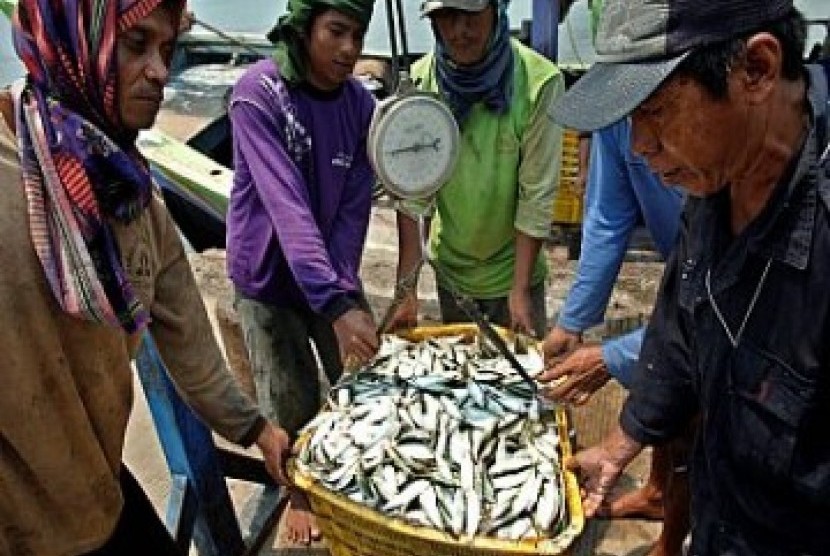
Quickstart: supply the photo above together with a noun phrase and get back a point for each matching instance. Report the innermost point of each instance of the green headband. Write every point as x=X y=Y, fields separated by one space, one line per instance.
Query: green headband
x=287 y=33
x=298 y=13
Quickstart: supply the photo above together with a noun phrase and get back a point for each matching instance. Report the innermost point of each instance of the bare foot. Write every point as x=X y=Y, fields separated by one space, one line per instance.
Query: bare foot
x=643 y=503
x=300 y=526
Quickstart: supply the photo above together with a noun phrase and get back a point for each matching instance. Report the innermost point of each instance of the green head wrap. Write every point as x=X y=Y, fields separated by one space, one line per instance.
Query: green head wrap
x=287 y=35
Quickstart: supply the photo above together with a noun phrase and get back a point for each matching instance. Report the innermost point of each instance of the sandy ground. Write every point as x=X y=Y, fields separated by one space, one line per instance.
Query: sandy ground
x=631 y=300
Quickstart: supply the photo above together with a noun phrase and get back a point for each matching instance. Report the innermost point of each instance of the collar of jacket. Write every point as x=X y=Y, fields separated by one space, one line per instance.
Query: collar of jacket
x=788 y=237
x=783 y=231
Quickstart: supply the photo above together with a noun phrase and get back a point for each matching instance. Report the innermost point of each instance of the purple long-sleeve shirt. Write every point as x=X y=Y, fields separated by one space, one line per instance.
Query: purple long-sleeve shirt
x=301 y=197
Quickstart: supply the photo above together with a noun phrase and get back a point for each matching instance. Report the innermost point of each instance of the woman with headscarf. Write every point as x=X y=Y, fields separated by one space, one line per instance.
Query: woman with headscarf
x=90 y=259
x=493 y=215
x=299 y=212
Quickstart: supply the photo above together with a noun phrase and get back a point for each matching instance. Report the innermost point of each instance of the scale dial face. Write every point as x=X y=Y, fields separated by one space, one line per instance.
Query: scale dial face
x=414 y=145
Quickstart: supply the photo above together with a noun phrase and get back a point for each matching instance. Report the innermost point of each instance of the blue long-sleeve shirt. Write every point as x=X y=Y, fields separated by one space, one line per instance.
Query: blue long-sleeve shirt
x=621 y=189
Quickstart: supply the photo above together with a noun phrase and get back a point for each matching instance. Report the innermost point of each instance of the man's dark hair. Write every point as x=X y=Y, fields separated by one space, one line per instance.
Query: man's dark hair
x=297 y=38
x=316 y=11
x=709 y=65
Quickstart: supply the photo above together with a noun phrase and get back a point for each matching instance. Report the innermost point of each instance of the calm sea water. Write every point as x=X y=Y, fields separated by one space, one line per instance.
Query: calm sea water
x=258 y=16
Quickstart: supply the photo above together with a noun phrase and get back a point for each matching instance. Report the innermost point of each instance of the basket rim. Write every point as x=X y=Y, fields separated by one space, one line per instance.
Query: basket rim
x=541 y=545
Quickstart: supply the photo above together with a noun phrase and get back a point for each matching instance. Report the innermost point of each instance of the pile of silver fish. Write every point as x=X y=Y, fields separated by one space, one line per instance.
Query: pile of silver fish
x=443 y=434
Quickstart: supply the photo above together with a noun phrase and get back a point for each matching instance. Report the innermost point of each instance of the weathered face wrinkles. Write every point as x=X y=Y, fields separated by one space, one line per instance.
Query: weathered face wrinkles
x=144 y=53
x=688 y=137
x=465 y=34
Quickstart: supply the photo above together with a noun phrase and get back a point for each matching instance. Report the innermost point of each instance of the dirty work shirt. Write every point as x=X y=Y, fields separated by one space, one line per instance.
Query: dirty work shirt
x=621 y=191
x=295 y=235
x=760 y=473
x=67 y=383
x=505 y=180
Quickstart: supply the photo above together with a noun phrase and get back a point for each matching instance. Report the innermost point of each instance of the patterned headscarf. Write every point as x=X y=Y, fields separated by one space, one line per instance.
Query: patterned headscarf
x=287 y=34
x=490 y=81
x=80 y=166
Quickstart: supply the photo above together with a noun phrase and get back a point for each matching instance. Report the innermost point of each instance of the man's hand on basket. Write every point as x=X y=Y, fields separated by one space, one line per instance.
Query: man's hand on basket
x=575 y=378
x=275 y=445
x=599 y=468
x=558 y=343
x=405 y=315
x=521 y=311
x=356 y=337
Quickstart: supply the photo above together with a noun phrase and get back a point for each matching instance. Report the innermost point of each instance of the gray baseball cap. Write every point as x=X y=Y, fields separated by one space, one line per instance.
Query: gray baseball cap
x=640 y=42
x=428 y=6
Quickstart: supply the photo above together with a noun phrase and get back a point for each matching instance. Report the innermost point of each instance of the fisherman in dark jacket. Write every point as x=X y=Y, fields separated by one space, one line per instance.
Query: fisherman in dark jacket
x=722 y=104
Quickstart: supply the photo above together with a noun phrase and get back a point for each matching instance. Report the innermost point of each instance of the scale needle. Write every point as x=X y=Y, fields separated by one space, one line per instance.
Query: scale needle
x=417 y=147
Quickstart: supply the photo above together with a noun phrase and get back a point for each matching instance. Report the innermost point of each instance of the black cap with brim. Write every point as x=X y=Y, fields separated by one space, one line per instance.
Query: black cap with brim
x=610 y=91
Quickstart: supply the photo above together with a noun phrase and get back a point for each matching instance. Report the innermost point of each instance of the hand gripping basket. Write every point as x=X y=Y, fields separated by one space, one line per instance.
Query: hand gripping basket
x=354 y=530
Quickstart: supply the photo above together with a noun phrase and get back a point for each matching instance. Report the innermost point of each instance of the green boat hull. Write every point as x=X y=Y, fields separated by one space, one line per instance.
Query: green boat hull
x=7 y=7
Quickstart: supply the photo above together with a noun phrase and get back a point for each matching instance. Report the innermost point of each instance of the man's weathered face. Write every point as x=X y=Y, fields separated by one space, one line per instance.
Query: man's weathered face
x=688 y=137
x=465 y=34
x=144 y=54
x=334 y=43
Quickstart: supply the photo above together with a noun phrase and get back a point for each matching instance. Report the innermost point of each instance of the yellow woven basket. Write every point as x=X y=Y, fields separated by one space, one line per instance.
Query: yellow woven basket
x=354 y=530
